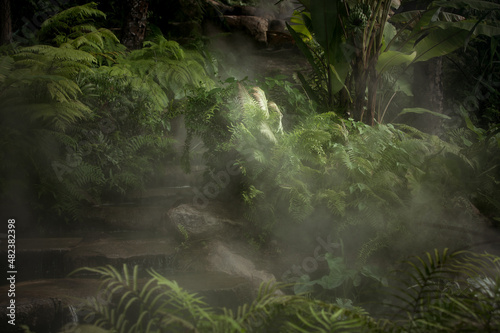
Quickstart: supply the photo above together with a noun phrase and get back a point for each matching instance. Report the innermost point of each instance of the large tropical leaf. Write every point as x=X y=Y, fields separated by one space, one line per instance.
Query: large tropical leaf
x=472 y=26
x=470 y=4
x=422 y=110
x=338 y=74
x=324 y=21
x=304 y=49
x=389 y=59
x=440 y=42
x=299 y=24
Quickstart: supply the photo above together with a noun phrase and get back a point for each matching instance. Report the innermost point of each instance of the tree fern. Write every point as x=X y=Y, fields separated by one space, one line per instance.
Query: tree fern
x=83 y=131
x=168 y=65
x=66 y=62
x=41 y=88
x=74 y=28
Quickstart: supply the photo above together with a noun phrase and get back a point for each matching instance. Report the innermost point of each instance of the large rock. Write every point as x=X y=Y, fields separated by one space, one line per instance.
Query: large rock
x=278 y=26
x=254 y=26
x=191 y=222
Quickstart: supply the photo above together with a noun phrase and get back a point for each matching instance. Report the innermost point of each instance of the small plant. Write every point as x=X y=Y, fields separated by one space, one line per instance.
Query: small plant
x=343 y=280
x=184 y=233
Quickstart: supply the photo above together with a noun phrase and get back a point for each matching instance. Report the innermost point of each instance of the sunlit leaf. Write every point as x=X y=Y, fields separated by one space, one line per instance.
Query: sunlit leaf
x=423 y=111
x=390 y=59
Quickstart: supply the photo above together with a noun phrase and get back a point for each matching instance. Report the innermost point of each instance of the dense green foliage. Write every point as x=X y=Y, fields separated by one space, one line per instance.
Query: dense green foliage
x=324 y=168
x=84 y=119
x=438 y=292
x=359 y=47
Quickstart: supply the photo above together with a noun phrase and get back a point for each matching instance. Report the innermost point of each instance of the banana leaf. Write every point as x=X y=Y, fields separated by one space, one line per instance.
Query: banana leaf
x=304 y=49
x=439 y=42
x=338 y=77
x=324 y=20
x=469 y=25
x=405 y=17
x=390 y=59
x=468 y=4
x=421 y=111
x=307 y=87
x=299 y=24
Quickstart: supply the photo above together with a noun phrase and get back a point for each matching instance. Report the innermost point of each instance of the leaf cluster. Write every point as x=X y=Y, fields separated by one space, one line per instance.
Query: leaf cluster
x=388 y=180
x=441 y=291
x=131 y=304
x=445 y=291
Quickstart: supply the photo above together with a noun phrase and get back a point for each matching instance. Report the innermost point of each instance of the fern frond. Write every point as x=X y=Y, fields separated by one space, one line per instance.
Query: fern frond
x=335 y=201
x=77 y=14
x=300 y=204
x=370 y=247
x=87 y=174
x=439 y=296
x=6 y=65
x=426 y=277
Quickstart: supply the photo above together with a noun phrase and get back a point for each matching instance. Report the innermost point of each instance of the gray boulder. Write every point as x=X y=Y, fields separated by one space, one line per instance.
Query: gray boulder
x=191 y=222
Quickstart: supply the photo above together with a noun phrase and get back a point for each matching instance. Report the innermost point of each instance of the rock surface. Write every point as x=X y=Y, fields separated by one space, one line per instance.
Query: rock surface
x=214 y=262
x=254 y=26
x=41 y=257
x=256 y=23
x=190 y=222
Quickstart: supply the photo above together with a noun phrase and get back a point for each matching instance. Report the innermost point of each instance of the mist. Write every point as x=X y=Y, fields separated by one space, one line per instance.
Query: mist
x=251 y=166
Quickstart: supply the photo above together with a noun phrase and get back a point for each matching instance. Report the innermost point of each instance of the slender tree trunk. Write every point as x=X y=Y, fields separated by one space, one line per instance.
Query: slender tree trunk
x=134 y=29
x=360 y=81
x=428 y=94
x=372 y=92
x=5 y=22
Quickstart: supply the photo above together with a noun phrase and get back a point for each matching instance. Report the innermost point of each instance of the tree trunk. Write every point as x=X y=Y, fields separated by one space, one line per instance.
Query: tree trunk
x=372 y=92
x=428 y=94
x=360 y=81
x=5 y=22
x=134 y=29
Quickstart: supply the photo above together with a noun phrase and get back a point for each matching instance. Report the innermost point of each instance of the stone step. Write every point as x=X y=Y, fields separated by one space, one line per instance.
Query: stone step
x=141 y=210
x=49 y=304
x=39 y=258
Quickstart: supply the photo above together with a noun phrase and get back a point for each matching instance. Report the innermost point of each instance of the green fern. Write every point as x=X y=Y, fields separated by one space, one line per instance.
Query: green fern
x=170 y=66
x=74 y=28
x=131 y=304
x=446 y=290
